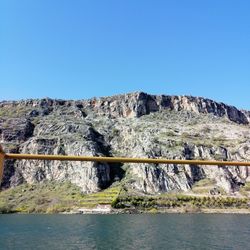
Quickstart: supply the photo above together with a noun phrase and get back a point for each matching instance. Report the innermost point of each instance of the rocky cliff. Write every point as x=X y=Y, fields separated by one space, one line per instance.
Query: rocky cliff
x=133 y=125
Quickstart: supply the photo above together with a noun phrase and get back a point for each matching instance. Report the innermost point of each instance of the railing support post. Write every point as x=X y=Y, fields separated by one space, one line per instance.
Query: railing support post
x=2 y=155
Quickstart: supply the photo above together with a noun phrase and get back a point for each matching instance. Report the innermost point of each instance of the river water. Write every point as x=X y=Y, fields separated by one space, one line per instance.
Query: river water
x=141 y=231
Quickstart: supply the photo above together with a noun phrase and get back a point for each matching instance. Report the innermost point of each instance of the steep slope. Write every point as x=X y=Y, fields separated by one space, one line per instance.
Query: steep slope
x=134 y=125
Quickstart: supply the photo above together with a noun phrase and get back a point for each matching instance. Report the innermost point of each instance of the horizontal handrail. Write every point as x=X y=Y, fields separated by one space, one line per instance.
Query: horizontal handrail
x=6 y=156
x=123 y=160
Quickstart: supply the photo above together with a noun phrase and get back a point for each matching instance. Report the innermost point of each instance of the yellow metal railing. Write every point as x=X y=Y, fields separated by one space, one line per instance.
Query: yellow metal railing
x=6 y=156
x=122 y=159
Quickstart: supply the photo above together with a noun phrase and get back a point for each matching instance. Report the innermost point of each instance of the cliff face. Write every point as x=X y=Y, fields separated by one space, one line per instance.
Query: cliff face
x=139 y=104
x=133 y=125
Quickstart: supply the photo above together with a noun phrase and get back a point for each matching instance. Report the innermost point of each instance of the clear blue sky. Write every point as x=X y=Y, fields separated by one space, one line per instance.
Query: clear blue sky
x=78 y=49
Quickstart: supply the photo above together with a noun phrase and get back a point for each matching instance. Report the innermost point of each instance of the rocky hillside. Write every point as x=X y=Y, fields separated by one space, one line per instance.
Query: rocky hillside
x=132 y=125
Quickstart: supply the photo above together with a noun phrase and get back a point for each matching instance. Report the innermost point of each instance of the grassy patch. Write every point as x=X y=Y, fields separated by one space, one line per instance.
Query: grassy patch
x=188 y=202
x=203 y=186
x=14 y=112
x=41 y=197
x=107 y=196
x=245 y=190
x=52 y=197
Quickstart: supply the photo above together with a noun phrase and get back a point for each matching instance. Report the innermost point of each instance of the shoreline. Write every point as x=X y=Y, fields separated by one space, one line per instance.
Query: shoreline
x=39 y=199
x=150 y=212
x=180 y=210
x=172 y=211
x=138 y=211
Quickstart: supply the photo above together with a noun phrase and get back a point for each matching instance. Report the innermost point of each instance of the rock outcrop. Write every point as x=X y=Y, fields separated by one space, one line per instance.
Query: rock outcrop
x=134 y=125
x=131 y=105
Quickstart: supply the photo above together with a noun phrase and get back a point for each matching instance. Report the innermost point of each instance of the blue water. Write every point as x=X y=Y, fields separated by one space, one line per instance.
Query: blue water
x=165 y=231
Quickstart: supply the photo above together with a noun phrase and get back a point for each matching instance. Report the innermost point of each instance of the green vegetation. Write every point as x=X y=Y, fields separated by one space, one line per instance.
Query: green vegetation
x=245 y=190
x=56 y=197
x=180 y=201
x=45 y=197
x=51 y=197
x=247 y=186
x=105 y=197
x=203 y=186
x=14 y=112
